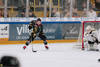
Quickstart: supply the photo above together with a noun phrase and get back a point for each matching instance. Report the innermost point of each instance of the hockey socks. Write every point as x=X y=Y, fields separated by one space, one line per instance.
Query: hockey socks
x=27 y=43
x=46 y=46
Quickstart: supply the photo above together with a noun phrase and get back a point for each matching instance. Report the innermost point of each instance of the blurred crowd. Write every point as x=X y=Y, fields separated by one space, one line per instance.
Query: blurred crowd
x=77 y=9
x=91 y=12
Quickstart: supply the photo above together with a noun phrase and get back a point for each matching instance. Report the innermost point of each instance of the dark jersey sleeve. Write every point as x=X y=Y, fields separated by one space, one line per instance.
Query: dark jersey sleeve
x=41 y=29
x=31 y=25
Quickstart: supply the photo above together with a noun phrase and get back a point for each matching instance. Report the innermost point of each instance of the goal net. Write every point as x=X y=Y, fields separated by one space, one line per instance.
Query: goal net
x=94 y=24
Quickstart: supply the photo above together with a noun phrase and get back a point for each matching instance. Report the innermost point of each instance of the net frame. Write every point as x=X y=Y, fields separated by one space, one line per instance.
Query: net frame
x=83 y=28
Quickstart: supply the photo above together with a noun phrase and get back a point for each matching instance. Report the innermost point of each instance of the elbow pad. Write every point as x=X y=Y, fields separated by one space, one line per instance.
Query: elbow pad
x=30 y=27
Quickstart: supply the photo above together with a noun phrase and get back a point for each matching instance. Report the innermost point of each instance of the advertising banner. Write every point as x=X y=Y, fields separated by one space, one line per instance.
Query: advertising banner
x=4 y=30
x=70 y=30
x=18 y=32
x=52 y=30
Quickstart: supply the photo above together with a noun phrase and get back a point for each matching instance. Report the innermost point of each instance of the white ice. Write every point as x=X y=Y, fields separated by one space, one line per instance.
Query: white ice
x=59 y=55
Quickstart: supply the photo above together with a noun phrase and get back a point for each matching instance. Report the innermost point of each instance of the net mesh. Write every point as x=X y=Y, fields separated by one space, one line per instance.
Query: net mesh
x=94 y=24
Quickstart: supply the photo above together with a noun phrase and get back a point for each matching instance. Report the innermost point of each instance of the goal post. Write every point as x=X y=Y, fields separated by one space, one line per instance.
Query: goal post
x=95 y=24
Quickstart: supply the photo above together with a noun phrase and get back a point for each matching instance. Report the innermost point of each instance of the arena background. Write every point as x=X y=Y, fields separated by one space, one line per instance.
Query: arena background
x=56 y=30
x=62 y=19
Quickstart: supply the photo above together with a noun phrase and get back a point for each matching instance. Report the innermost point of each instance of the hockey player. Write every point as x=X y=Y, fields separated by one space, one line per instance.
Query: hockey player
x=37 y=30
x=91 y=38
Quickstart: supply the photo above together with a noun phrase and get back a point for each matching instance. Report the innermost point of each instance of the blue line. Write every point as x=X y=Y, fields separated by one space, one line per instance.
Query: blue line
x=14 y=22
x=48 y=22
x=44 y=22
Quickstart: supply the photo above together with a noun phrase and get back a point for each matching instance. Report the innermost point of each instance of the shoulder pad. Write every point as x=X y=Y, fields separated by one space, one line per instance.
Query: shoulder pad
x=33 y=22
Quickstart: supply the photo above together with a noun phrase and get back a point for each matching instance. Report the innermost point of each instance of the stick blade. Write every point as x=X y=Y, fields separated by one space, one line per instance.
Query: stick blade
x=34 y=51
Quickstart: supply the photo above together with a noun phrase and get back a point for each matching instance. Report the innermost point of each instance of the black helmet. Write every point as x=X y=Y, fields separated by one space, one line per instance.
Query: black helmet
x=38 y=19
x=9 y=61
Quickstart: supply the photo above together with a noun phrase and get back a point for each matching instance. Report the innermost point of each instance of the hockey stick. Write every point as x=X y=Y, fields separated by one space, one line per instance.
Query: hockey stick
x=32 y=47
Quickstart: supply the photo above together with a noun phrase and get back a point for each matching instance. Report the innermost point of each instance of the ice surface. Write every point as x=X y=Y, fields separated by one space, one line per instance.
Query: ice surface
x=59 y=55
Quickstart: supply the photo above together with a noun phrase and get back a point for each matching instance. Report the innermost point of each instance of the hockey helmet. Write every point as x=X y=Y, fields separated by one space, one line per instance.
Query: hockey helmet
x=88 y=28
x=9 y=61
x=38 y=19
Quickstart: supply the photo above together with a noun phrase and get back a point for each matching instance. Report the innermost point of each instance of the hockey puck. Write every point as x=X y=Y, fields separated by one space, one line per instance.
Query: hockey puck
x=98 y=60
x=34 y=51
